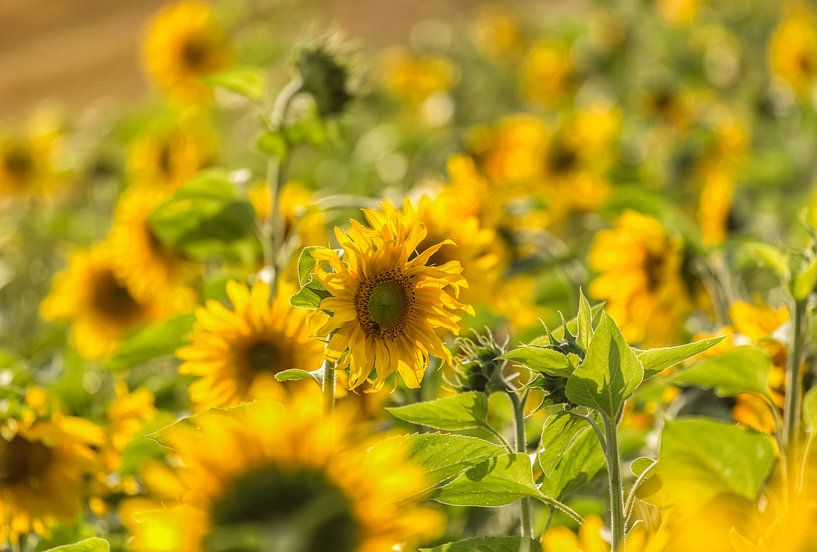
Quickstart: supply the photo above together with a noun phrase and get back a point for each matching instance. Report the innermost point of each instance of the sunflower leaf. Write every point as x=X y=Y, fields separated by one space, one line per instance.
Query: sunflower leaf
x=742 y=370
x=244 y=81
x=609 y=373
x=488 y=544
x=656 y=360
x=540 y=359
x=571 y=454
x=154 y=341
x=497 y=481
x=310 y=295
x=93 y=544
x=296 y=374
x=462 y=411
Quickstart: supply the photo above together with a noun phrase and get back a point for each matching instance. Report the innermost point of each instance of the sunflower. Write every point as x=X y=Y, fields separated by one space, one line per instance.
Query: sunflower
x=281 y=477
x=412 y=78
x=236 y=352
x=548 y=73
x=495 y=30
x=28 y=160
x=638 y=266
x=101 y=305
x=387 y=300
x=183 y=44
x=589 y=539
x=678 y=12
x=793 y=49
x=43 y=465
x=171 y=152
x=147 y=266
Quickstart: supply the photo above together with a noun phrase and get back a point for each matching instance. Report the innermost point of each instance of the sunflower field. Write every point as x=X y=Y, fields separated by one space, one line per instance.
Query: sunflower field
x=539 y=276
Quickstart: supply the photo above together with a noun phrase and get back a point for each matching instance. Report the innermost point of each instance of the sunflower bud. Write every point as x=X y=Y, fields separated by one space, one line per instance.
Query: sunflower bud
x=326 y=78
x=477 y=364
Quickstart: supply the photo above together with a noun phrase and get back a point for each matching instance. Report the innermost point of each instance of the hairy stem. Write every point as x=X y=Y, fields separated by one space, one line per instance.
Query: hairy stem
x=616 y=488
x=526 y=526
x=328 y=387
x=791 y=411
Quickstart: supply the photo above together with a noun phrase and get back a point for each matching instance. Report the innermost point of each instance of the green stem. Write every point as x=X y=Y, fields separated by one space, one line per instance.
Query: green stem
x=616 y=488
x=526 y=525
x=328 y=387
x=791 y=411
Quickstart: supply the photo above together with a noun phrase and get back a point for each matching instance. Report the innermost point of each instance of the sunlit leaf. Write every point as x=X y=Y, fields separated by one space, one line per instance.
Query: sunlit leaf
x=462 y=411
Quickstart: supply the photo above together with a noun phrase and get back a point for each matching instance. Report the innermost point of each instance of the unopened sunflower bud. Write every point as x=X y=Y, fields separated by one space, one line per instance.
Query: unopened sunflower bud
x=478 y=366
x=326 y=78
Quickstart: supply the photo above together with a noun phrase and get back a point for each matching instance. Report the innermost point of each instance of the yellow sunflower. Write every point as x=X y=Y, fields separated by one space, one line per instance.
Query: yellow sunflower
x=282 y=477
x=548 y=73
x=412 y=78
x=589 y=539
x=183 y=44
x=146 y=266
x=43 y=467
x=388 y=300
x=678 y=12
x=793 y=49
x=29 y=160
x=101 y=306
x=171 y=152
x=236 y=352
x=496 y=31
x=638 y=266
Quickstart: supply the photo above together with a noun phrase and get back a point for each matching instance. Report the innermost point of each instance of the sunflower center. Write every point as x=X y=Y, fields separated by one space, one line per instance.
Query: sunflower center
x=23 y=461
x=196 y=53
x=561 y=158
x=383 y=304
x=112 y=299
x=18 y=162
x=653 y=268
x=271 y=508
x=263 y=356
x=805 y=64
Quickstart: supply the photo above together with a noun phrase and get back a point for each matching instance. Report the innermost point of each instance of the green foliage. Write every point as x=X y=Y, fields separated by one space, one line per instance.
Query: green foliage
x=205 y=217
x=296 y=374
x=463 y=411
x=93 y=544
x=312 y=292
x=609 y=373
x=572 y=454
x=273 y=144
x=540 y=359
x=244 y=81
x=488 y=544
x=584 y=322
x=497 y=481
x=154 y=341
x=810 y=410
x=742 y=370
x=656 y=360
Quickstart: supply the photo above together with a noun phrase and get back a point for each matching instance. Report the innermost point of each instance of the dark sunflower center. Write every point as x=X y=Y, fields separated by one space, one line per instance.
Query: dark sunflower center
x=164 y=159
x=383 y=304
x=805 y=64
x=18 y=162
x=196 y=53
x=112 y=299
x=271 y=508
x=654 y=268
x=23 y=461
x=561 y=158
x=263 y=356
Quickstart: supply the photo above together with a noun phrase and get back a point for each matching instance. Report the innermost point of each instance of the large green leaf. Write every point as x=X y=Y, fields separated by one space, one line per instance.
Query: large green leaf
x=204 y=217
x=462 y=411
x=494 y=482
x=701 y=458
x=94 y=544
x=656 y=360
x=572 y=455
x=154 y=341
x=540 y=359
x=609 y=374
x=488 y=544
x=442 y=455
x=584 y=322
x=245 y=81
x=742 y=370
x=572 y=326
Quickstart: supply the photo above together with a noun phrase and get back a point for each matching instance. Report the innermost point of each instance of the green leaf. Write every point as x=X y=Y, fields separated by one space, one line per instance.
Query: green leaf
x=306 y=264
x=641 y=464
x=204 y=217
x=805 y=280
x=577 y=462
x=309 y=296
x=572 y=327
x=810 y=410
x=94 y=544
x=540 y=359
x=273 y=144
x=701 y=458
x=488 y=544
x=494 y=482
x=245 y=81
x=742 y=370
x=584 y=322
x=769 y=256
x=154 y=341
x=609 y=374
x=296 y=374
x=442 y=455
x=557 y=432
x=656 y=360
x=462 y=411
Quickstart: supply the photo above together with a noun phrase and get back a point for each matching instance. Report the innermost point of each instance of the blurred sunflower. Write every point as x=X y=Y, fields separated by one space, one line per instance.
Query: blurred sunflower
x=284 y=478
x=171 y=152
x=28 y=160
x=589 y=539
x=301 y=217
x=235 y=353
x=44 y=462
x=412 y=78
x=793 y=48
x=638 y=266
x=184 y=43
x=496 y=31
x=147 y=266
x=101 y=306
x=678 y=12
x=548 y=73
x=387 y=301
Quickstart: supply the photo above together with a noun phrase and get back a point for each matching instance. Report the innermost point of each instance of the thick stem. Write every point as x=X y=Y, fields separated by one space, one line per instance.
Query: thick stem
x=526 y=525
x=328 y=387
x=791 y=412
x=616 y=488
